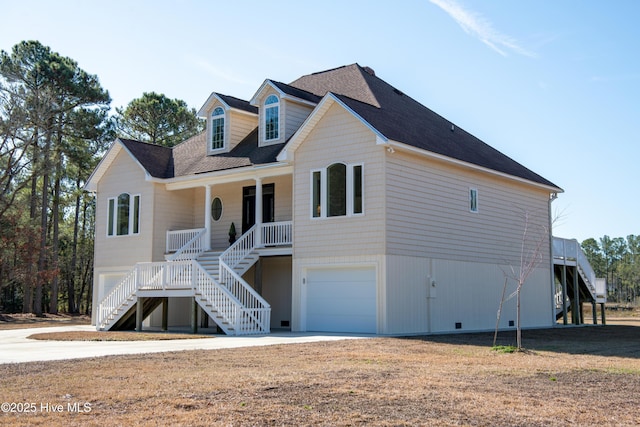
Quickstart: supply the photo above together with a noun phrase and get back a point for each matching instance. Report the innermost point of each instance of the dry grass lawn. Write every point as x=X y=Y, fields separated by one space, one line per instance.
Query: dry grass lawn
x=568 y=376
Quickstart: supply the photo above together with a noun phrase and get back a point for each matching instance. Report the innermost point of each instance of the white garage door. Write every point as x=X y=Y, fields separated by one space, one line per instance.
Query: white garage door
x=341 y=300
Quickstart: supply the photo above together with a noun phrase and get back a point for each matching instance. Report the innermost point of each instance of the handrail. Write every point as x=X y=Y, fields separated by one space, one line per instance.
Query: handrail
x=178 y=238
x=570 y=250
x=239 y=249
x=234 y=300
x=125 y=288
x=190 y=250
x=247 y=296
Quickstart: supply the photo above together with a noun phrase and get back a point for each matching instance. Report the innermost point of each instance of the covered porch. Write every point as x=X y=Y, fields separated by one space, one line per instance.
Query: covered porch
x=222 y=208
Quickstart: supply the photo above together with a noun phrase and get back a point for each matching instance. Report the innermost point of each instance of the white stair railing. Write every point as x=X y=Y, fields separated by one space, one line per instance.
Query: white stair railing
x=191 y=248
x=115 y=299
x=239 y=249
x=257 y=309
x=177 y=239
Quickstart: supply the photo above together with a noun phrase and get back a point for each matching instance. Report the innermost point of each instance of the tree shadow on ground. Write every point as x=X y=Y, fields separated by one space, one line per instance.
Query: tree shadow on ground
x=607 y=341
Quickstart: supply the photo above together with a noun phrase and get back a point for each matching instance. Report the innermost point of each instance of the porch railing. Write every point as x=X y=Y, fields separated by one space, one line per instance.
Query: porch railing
x=177 y=239
x=277 y=233
x=192 y=248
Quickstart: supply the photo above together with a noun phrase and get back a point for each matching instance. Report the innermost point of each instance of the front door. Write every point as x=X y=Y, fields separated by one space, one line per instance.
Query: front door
x=249 y=206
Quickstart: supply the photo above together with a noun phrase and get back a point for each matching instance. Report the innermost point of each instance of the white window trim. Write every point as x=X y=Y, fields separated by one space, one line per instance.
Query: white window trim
x=277 y=105
x=323 y=192
x=210 y=132
x=471 y=192
x=221 y=209
x=131 y=215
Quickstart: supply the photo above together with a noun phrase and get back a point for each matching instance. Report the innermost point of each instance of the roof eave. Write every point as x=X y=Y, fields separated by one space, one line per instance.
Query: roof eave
x=282 y=94
x=410 y=148
x=227 y=175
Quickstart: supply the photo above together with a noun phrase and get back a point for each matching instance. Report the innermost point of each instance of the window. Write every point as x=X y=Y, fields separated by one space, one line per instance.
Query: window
x=217 y=129
x=473 y=200
x=337 y=191
x=124 y=215
x=271 y=118
x=216 y=209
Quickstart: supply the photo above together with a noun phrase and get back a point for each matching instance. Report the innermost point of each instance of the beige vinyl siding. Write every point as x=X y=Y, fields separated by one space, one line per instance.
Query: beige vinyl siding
x=283 y=197
x=124 y=176
x=173 y=210
x=231 y=196
x=293 y=114
x=240 y=125
x=428 y=215
x=339 y=137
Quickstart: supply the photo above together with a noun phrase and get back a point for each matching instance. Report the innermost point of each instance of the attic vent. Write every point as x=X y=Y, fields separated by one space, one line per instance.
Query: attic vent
x=399 y=92
x=369 y=70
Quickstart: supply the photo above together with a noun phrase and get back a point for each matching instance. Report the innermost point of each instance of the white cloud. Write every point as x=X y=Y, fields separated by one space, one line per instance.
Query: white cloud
x=477 y=26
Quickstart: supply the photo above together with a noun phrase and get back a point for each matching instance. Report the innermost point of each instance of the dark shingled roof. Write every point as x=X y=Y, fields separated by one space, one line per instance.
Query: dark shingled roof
x=394 y=114
x=238 y=103
x=190 y=156
x=401 y=118
x=156 y=159
x=298 y=93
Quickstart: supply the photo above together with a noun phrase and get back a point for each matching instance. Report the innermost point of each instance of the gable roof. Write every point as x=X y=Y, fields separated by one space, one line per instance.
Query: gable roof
x=155 y=159
x=392 y=115
x=229 y=102
x=400 y=118
x=286 y=92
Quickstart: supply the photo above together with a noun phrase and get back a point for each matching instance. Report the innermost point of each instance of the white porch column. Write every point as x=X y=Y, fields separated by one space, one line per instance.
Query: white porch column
x=207 y=217
x=258 y=241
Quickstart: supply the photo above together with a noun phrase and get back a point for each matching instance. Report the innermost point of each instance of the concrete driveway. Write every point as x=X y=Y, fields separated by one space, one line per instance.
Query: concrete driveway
x=15 y=347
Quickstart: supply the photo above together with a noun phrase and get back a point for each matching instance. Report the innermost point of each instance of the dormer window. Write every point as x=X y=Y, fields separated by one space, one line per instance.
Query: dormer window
x=217 y=129
x=271 y=118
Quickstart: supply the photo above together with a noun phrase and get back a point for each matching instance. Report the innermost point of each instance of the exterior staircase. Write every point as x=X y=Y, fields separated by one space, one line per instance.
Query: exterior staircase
x=210 y=261
x=214 y=279
x=572 y=267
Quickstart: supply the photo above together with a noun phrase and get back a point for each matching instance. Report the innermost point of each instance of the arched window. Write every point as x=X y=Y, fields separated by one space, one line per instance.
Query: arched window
x=217 y=128
x=124 y=215
x=337 y=190
x=271 y=118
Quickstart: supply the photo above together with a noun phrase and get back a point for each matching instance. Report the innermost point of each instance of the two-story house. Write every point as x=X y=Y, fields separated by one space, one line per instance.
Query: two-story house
x=355 y=209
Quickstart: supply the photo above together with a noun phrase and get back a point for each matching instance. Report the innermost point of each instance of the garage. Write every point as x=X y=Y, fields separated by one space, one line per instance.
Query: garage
x=341 y=299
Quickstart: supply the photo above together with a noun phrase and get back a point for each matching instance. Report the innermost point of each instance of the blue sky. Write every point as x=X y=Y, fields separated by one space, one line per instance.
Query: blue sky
x=553 y=84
